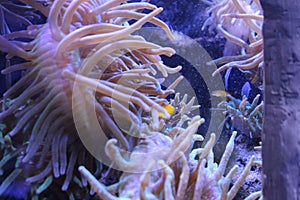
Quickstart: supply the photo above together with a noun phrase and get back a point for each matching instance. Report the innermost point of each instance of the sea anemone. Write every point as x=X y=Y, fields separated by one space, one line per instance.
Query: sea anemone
x=88 y=42
x=163 y=166
x=243 y=115
x=162 y=176
x=86 y=54
x=240 y=22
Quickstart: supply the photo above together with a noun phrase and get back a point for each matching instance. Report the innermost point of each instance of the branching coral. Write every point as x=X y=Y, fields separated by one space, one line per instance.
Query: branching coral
x=240 y=22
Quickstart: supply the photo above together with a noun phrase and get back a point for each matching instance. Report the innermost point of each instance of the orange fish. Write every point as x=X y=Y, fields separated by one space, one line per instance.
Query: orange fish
x=169 y=108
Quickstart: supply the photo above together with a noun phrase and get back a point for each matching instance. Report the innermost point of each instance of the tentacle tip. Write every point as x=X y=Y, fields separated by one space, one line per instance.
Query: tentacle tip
x=234 y=133
x=25 y=159
x=213 y=136
x=81 y=169
x=214 y=73
x=62 y=172
x=113 y=141
x=160 y=9
x=161 y=163
x=171 y=53
x=65 y=187
x=202 y=121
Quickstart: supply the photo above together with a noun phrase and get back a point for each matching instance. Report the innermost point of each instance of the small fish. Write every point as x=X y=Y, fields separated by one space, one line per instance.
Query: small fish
x=246 y=89
x=169 y=108
x=220 y=93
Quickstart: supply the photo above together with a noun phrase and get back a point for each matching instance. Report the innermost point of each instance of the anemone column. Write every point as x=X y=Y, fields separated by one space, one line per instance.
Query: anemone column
x=281 y=134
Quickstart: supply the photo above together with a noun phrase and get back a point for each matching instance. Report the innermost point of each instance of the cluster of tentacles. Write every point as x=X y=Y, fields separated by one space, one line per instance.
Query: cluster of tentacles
x=164 y=166
x=14 y=16
x=240 y=22
x=244 y=116
x=87 y=55
x=88 y=42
